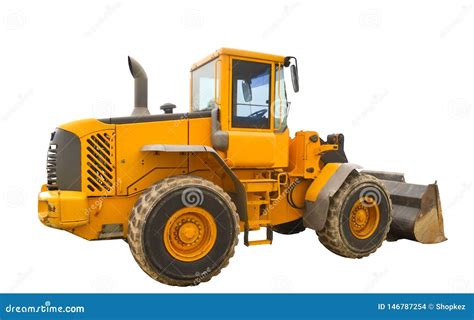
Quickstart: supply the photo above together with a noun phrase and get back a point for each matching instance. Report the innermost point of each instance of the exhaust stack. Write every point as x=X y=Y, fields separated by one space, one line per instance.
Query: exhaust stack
x=141 y=88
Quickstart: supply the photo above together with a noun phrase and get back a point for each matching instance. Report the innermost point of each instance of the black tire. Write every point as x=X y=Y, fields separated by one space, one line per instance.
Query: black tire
x=150 y=215
x=336 y=234
x=292 y=227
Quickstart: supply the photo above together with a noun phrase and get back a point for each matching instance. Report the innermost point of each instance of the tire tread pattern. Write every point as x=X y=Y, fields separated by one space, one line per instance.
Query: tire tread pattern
x=330 y=236
x=143 y=207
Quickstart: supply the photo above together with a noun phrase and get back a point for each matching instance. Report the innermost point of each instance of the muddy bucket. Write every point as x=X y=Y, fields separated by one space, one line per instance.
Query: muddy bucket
x=416 y=209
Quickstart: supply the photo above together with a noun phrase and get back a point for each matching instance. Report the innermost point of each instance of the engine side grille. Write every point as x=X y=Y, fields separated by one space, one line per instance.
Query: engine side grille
x=99 y=161
x=51 y=168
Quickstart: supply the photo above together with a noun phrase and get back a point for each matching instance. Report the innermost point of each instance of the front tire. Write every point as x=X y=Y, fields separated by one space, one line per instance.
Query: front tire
x=359 y=217
x=183 y=230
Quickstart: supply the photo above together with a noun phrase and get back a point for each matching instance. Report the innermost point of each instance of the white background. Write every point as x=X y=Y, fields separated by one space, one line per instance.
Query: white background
x=396 y=77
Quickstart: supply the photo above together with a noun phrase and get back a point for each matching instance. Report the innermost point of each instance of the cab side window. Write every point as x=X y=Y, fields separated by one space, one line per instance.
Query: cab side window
x=250 y=94
x=281 y=102
x=205 y=86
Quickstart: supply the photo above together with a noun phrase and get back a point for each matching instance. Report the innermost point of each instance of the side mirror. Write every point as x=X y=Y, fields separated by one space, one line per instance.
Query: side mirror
x=295 y=79
x=294 y=72
x=247 y=91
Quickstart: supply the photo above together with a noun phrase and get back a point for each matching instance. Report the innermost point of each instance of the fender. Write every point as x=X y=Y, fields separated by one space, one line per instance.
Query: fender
x=241 y=195
x=319 y=193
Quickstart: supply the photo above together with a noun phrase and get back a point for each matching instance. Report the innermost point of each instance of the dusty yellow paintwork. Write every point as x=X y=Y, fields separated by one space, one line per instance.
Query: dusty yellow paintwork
x=238 y=53
x=266 y=161
x=86 y=127
x=63 y=209
x=325 y=174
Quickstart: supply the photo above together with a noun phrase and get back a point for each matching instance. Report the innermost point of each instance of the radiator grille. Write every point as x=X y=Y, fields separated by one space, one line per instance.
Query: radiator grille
x=99 y=163
x=51 y=167
x=63 y=161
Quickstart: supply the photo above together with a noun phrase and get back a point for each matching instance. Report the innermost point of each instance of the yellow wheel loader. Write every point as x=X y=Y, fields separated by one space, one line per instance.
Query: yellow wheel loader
x=180 y=187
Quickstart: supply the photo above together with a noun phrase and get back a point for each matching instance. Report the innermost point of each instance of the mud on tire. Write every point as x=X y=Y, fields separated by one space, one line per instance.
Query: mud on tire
x=150 y=215
x=336 y=234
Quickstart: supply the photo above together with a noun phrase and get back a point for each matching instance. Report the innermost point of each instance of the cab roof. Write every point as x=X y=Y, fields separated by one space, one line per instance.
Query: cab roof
x=238 y=53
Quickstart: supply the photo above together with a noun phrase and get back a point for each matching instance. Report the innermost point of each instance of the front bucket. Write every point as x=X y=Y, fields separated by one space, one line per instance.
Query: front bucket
x=416 y=209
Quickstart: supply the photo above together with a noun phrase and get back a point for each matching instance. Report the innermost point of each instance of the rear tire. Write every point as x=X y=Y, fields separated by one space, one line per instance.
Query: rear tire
x=183 y=230
x=359 y=217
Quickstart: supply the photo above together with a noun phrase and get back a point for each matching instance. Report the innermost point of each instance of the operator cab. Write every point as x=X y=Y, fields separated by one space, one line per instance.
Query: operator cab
x=248 y=89
x=258 y=90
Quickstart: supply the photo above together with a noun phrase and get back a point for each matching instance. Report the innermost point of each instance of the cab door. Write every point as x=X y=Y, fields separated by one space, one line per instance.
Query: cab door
x=253 y=142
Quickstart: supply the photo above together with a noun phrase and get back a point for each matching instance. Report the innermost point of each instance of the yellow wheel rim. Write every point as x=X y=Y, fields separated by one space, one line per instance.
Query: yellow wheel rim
x=189 y=234
x=364 y=218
